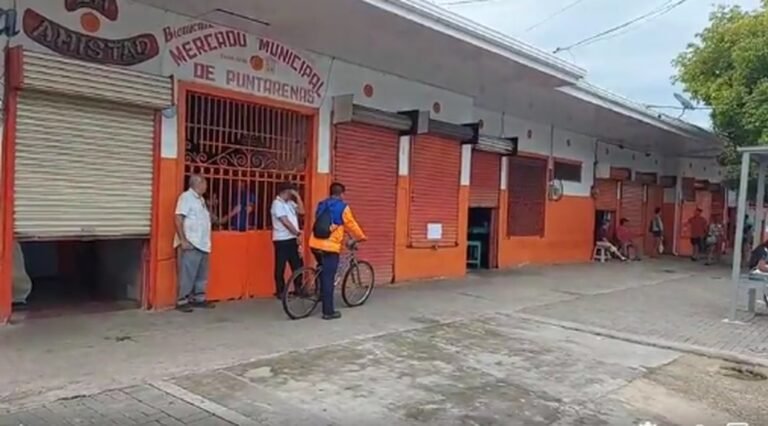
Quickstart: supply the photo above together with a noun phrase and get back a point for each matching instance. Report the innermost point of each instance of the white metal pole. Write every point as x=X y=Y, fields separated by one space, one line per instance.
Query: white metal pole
x=741 y=210
x=759 y=205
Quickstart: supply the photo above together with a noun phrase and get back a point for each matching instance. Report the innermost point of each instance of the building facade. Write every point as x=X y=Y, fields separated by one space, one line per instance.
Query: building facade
x=110 y=105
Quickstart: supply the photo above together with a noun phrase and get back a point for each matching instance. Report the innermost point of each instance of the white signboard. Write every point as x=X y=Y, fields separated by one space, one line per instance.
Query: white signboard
x=434 y=231
x=143 y=38
x=235 y=60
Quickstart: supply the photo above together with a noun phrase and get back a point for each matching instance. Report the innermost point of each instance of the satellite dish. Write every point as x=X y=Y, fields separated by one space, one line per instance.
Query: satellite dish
x=685 y=103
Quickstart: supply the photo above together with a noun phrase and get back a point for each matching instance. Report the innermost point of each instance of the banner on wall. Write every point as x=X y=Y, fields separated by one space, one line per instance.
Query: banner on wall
x=126 y=34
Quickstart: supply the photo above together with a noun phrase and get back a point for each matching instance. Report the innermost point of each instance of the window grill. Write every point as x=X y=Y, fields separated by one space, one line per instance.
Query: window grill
x=245 y=150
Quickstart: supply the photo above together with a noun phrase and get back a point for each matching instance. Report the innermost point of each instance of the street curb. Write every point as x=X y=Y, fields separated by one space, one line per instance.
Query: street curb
x=647 y=341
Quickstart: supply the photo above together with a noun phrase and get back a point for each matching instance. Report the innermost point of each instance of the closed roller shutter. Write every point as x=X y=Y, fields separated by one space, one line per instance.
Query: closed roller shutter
x=632 y=206
x=366 y=163
x=607 y=195
x=718 y=202
x=83 y=168
x=58 y=74
x=527 y=196
x=435 y=170
x=484 y=182
x=704 y=202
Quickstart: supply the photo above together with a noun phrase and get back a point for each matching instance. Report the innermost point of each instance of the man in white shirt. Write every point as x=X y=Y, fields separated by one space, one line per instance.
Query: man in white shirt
x=286 y=235
x=193 y=239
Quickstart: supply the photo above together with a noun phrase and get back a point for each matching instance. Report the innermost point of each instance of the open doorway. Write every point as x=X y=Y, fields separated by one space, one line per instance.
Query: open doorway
x=481 y=238
x=53 y=278
x=603 y=217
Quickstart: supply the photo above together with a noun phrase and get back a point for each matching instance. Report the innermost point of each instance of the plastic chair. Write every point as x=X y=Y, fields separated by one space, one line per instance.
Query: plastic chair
x=600 y=253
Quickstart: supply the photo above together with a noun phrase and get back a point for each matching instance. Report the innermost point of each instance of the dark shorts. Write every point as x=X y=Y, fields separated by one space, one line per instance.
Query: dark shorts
x=699 y=243
x=656 y=234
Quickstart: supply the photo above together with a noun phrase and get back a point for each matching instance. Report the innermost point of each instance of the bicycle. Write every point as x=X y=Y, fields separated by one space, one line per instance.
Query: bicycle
x=304 y=284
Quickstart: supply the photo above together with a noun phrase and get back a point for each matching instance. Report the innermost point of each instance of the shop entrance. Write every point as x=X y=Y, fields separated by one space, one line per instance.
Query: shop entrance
x=481 y=238
x=59 y=277
x=245 y=150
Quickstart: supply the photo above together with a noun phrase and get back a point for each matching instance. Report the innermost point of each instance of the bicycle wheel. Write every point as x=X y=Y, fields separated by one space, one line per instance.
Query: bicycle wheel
x=358 y=284
x=302 y=293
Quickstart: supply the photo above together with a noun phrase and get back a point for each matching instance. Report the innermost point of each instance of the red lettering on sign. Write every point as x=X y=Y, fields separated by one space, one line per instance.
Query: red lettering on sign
x=264 y=86
x=204 y=72
x=207 y=43
x=296 y=62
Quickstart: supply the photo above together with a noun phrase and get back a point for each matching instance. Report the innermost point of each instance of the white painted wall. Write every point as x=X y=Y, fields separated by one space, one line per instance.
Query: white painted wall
x=540 y=138
x=700 y=168
x=390 y=93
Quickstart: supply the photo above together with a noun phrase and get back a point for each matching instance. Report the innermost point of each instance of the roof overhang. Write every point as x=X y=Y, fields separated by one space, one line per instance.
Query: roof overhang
x=410 y=38
x=420 y=41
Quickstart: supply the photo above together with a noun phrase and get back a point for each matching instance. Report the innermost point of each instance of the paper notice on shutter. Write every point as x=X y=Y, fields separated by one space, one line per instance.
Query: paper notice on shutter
x=434 y=231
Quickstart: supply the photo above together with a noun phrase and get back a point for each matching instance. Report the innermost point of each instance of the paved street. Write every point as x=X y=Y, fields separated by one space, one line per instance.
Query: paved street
x=495 y=349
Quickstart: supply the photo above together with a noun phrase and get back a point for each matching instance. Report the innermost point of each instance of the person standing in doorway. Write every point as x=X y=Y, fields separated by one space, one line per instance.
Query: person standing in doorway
x=656 y=229
x=193 y=241
x=715 y=239
x=333 y=220
x=697 y=226
x=286 y=234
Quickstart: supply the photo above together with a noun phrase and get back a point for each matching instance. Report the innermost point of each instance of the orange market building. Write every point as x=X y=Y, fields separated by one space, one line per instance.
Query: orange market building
x=109 y=105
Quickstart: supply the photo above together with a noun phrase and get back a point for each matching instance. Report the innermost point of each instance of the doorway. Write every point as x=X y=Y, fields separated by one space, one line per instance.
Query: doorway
x=481 y=238
x=601 y=218
x=53 y=278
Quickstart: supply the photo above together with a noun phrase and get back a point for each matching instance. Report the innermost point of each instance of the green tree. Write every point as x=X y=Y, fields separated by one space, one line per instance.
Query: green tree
x=726 y=68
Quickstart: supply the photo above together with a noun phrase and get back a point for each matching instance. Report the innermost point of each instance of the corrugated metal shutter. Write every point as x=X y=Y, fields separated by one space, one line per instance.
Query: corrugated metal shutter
x=607 y=195
x=632 y=207
x=365 y=161
x=718 y=202
x=52 y=73
x=484 y=181
x=527 y=196
x=83 y=168
x=704 y=202
x=435 y=173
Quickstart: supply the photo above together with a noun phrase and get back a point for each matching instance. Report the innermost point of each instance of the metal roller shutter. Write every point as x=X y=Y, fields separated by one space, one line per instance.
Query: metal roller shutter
x=607 y=195
x=632 y=207
x=366 y=163
x=484 y=181
x=704 y=202
x=58 y=74
x=83 y=168
x=527 y=196
x=435 y=173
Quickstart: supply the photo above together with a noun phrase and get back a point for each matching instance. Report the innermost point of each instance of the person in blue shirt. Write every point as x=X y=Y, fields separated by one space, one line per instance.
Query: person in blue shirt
x=240 y=217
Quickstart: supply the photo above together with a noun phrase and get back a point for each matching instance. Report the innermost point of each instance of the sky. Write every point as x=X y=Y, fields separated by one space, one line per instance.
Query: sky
x=636 y=63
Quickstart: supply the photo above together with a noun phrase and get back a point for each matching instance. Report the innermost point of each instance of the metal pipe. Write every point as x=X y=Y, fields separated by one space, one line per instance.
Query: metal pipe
x=759 y=205
x=741 y=211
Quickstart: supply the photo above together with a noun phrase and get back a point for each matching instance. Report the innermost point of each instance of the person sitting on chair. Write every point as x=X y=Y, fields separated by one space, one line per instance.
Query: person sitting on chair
x=604 y=242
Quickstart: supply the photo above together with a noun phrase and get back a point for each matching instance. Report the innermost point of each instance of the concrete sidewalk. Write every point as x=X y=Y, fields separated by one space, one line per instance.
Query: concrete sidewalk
x=44 y=360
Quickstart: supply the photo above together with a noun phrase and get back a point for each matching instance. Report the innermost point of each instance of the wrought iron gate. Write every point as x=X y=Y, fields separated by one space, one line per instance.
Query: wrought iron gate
x=244 y=150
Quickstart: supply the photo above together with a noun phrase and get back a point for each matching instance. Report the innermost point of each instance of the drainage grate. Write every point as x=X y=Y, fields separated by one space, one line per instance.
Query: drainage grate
x=742 y=373
x=669 y=271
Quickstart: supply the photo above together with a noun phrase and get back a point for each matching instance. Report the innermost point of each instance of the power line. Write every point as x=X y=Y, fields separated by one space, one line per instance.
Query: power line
x=660 y=10
x=554 y=14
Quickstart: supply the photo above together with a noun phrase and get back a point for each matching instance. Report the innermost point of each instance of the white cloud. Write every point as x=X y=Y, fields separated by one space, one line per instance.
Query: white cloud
x=636 y=64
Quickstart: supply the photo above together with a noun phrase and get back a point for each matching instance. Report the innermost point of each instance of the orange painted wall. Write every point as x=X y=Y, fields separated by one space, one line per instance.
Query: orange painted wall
x=568 y=235
x=163 y=295
x=426 y=263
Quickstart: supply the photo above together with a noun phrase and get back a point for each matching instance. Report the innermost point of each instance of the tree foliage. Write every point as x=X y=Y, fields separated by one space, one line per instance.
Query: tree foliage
x=726 y=68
